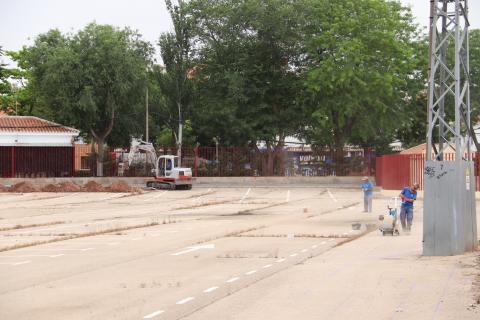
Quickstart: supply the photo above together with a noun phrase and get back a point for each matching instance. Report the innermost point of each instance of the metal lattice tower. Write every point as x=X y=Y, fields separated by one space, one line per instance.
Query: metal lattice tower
x=449 y=93
x=449 y=222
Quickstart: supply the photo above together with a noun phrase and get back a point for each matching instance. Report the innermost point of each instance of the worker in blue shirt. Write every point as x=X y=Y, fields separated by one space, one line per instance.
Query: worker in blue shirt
x=367 y=187
x=408 y=195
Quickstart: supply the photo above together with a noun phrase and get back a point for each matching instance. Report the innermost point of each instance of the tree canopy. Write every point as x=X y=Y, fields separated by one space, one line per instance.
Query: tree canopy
x=91 y=80
x=242 y=72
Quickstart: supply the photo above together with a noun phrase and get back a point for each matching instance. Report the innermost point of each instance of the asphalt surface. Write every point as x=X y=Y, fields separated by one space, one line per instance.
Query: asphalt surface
x=217 y=253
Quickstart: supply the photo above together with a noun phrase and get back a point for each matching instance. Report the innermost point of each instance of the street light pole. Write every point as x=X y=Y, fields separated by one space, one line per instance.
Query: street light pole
x=146 y=114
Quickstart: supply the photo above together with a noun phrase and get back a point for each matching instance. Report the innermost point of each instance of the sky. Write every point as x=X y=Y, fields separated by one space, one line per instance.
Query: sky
x=22 y=20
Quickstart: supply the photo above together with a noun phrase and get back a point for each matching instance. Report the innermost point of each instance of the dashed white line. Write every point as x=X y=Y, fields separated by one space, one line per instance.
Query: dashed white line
x=86 y=249
x=57 y=255
x=153 y=314
x=304 y=250
x=280 y=260
x=135 y=239
x=266 y=266
x=324 y=242
x=21 y=262
x=332 y=196
x=250 y=272
x=245 y=195
x=232 y=279
x=293 y=255
x=210 y=289
x=288 y=196
x=186 y=300
x=113 y=243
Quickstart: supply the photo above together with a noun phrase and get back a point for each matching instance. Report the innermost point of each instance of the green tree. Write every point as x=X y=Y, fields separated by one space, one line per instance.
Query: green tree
x=92 y=80
x=360 y=62
x=248 y=78
x=172 y=79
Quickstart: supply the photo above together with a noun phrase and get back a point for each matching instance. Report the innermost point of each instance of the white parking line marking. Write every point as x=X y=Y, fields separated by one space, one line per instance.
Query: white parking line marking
x=314 y=246
x=288 y=196
x=153 y=314
x=324 y=242
x=21 y=262
x=86 y=249
x=232 y=279
x=35 y=255
x=135 y=239
x=293 y=255
x=266 y=266
x=245 y=195
x=332 y=196
x=280 y=260
x=194 y=248
x=183 y=301
x=113 y=243
x=210 y=289
x=250 y=272
x=304 y=250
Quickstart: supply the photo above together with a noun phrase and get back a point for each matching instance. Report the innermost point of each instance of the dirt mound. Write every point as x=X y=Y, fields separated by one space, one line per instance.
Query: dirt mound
x=92 y=186
x=69 y=187
x=51 y=188
x=23 y=187
x=120 y=186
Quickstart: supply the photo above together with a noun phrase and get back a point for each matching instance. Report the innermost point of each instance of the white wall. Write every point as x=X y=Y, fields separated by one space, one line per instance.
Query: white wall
x=40 y=139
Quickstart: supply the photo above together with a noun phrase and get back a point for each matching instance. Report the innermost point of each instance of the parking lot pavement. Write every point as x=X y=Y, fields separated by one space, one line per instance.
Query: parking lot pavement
x=373 y=277
x=167 y=254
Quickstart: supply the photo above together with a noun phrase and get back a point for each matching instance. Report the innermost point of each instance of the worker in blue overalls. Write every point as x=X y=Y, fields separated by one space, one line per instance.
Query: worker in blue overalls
x=367 y=187
x=408 y=195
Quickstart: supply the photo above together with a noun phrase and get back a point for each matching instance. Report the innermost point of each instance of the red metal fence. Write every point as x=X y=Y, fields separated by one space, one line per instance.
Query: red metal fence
x=238 y=161
x=32 y=162
x=398 y=170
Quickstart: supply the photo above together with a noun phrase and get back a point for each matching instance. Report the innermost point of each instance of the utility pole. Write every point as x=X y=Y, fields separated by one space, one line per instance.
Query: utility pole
x=180 y=133
x=146 y=114
x=449 y=225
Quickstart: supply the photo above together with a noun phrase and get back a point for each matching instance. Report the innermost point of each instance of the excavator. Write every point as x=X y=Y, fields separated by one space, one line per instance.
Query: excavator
x=167 y=174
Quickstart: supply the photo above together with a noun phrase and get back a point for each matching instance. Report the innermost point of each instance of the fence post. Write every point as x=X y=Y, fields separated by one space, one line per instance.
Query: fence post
x=73 y=161
x=195 y=161
x=12 y=167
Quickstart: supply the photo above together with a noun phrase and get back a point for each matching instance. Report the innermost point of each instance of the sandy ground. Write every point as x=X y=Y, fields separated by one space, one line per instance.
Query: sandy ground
x=221 y=253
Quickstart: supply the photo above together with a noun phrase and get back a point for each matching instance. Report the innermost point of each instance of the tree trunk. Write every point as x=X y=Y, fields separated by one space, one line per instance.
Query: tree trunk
x=100 y=144
x=338 y=155
x=280 y=157
x=270 y=158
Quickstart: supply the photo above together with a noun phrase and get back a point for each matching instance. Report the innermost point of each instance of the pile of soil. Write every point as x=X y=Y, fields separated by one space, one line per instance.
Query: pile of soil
x=120 y=186
x=92 y=186
x=23 y=187
x=51 y=188
x=69 y=187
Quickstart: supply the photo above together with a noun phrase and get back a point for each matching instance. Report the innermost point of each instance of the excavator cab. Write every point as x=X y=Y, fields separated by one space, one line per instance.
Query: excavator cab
x=169 y=176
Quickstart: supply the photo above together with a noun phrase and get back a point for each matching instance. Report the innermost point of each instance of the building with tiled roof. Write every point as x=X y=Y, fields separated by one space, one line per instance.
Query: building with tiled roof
x=33 y=131
x=34 y=147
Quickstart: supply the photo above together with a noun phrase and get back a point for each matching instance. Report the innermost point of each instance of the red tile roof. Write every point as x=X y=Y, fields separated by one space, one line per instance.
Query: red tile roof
x=32 y=124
